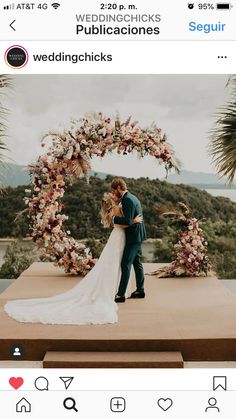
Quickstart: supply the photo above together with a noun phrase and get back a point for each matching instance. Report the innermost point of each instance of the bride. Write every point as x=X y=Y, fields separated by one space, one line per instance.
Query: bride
x=91 y=301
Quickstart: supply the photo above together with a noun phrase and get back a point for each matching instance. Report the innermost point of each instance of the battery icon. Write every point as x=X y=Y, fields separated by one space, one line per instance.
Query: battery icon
x=223 y=6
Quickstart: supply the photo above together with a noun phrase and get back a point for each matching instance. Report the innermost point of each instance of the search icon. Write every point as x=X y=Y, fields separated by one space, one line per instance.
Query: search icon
x=70 y=404
x=41 y=383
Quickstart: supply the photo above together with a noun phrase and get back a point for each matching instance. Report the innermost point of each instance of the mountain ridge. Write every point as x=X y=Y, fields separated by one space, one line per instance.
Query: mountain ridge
x=14 y=175
x=198 y=179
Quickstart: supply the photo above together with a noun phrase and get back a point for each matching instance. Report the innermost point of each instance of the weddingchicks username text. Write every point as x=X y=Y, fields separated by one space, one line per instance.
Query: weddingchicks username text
x=96 y=24
x=73 y=58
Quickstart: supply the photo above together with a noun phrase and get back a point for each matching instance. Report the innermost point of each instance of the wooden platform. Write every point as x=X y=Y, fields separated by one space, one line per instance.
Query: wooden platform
x=196 y=317
x=113 y=360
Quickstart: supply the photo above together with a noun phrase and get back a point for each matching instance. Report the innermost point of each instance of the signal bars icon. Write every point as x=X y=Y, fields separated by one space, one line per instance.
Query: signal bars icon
x=9 y=7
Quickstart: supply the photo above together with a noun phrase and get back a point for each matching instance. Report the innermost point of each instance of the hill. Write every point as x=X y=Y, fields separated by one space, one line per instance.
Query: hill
x=16 y=175
x=82 y=205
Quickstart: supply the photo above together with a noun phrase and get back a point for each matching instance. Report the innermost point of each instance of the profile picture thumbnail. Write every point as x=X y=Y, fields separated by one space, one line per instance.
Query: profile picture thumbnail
x=16 y=56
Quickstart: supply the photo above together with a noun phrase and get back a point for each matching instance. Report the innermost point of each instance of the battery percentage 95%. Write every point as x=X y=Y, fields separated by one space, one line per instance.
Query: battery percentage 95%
x=206 y=6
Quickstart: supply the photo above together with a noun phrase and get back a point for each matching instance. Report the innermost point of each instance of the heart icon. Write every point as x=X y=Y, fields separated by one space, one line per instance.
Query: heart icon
x=16 y=382
x=165 y=404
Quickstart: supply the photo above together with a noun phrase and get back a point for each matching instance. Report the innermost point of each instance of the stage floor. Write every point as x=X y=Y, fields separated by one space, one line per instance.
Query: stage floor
x=195 y=316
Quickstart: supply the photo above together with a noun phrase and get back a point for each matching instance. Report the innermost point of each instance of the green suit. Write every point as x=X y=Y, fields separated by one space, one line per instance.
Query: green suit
x=135 y=235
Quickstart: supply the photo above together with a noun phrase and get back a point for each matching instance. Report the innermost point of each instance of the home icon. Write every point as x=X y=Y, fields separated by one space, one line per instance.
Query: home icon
x=23 y=406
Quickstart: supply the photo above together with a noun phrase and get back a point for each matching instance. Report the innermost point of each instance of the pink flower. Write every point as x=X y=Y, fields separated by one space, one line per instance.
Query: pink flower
x=55 y=165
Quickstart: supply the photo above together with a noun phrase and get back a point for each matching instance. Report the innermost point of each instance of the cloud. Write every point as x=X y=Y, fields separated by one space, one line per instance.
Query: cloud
x=182 y=105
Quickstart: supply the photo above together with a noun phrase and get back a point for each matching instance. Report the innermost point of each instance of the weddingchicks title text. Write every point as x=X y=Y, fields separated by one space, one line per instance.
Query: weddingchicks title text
x=93 y=24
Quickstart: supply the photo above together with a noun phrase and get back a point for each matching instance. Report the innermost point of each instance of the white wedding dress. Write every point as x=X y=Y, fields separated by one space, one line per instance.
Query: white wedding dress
x=91 y=301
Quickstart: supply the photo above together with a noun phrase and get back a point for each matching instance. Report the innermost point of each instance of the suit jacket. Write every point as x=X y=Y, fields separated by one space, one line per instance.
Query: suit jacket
x=131 y=206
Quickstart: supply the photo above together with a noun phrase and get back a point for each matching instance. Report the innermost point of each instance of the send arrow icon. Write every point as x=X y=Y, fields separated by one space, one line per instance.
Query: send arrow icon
x=67 y=381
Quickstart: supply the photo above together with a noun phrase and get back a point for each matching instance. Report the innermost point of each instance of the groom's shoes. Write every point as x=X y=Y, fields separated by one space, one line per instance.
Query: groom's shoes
x=119 y=299
x=138 y=294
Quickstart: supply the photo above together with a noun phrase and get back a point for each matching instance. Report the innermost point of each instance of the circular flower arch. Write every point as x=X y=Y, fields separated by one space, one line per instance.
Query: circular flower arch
x=68 y=156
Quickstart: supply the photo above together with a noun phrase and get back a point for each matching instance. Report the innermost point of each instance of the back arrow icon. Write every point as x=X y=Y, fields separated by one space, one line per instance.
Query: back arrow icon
x=12 y=24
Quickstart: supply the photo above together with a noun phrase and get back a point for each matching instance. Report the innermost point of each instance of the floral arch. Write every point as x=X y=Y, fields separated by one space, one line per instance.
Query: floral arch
x=68 y=157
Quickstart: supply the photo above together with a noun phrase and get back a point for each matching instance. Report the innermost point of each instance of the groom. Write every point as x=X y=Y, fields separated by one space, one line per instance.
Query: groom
x=135 y=234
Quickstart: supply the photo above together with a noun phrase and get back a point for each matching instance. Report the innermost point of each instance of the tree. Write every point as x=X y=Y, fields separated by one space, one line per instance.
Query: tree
x=223 y=137
x=18 y=257
x=4 y=83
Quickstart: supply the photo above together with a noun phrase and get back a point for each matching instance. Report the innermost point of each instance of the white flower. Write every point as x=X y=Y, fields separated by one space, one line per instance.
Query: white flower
x=102 y=131
x=87 y=252
x=69 y=153
x=59 y=149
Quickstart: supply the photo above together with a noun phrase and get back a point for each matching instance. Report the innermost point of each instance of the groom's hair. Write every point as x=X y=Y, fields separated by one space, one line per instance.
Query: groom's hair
x=118 y=181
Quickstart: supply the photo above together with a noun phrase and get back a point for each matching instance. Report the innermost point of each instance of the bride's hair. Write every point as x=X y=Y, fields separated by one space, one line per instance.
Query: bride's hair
x=107 y=206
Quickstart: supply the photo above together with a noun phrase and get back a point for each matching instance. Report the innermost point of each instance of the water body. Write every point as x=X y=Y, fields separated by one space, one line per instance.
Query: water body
x=5 y=283
x=228 y=193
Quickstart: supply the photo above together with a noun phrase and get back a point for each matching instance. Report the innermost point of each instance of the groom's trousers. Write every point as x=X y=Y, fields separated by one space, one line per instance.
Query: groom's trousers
x=132 y=256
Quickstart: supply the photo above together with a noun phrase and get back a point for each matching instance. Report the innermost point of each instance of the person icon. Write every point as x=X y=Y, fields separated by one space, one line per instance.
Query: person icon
x=212 y=405
x=17 y=352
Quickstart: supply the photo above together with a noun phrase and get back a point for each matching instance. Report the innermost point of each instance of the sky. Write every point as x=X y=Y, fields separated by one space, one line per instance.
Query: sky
x=184 y=106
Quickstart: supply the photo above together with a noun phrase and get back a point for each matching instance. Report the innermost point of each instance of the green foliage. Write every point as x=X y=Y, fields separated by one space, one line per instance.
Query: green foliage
x=82 y=205
x=11 y=201
x=96 y=246
x=221 y=238
x=223 y=144
x=5 y=82
x=18 y=258
x=164 y=248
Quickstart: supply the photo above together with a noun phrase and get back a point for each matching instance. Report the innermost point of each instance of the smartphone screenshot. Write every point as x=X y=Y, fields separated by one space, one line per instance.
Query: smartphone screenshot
x=117 y=209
